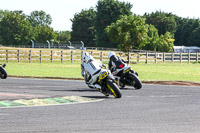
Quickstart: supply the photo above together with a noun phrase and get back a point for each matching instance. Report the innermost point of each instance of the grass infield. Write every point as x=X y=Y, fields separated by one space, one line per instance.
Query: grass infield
x=147 y=72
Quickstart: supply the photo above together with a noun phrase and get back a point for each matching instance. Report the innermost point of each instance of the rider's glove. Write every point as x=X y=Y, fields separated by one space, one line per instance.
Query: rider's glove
x=103 y=65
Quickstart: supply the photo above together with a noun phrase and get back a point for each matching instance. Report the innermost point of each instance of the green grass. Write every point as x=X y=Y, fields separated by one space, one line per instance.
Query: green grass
x=44 y=70
x=147 y=72
x=168 y=72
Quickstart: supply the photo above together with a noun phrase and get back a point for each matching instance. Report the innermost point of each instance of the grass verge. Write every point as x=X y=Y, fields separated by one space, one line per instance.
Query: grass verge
x=147 y=72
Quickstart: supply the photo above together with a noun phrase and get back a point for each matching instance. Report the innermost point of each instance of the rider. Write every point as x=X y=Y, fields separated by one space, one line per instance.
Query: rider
x=116 y=62
x=90 y=69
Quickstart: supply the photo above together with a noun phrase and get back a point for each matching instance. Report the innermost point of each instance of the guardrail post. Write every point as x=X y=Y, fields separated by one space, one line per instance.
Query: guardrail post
x=128 y=57
x=181 y=58
x=7 y=56
x=101 y=56
x=120 y=54
x=188 y=57
x=30 y=56
x=163 y=57
x=71 y=56
x=146 y=57
x=61 y=56
x=18 y=56
x=197 y=57
x=51 y=56
x=138 y=57
x=40 y=56
x=172 y=57
x=81 y=56
x=155 y=57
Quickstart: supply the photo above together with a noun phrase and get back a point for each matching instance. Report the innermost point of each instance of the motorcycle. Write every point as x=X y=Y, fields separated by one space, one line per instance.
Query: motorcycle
x=106 y=84
x=126 y=76
x=3 y=73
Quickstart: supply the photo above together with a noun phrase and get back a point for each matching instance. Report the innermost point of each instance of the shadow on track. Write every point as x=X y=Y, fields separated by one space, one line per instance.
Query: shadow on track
x=97 y=97
x=78 y=90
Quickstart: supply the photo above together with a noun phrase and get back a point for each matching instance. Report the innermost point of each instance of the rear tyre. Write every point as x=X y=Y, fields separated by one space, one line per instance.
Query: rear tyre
x=3 y=73
x=134 y=78
x=113 y=89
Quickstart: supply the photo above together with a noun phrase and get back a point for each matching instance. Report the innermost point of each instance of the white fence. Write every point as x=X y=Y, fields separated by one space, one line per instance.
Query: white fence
x=75 y=55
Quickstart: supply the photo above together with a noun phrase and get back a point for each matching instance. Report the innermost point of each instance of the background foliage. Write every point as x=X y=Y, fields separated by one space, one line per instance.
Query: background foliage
x=83 y=27
x=130 y=32
x=163 y=29
x=108 y=11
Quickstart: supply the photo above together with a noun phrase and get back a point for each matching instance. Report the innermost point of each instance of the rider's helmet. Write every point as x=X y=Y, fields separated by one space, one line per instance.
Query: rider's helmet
x=110 y=54
x=84 y=55
x=88 y=58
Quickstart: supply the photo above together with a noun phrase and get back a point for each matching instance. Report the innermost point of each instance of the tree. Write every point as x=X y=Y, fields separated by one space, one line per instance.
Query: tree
x=166 y=43
x=15 y=28
x=164 y=22
x=185 y=34
x=3 y=14
x=83 y=27
x=153 y=38
x=63 y=36
x=108 y=11
x=44 y=33
x=195 y=40
x=40 y=18
x=129 y=32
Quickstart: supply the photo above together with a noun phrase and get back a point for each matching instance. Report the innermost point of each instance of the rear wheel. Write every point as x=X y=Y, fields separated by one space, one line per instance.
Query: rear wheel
x=3 y=73
x=113 y=89
x=138 y=83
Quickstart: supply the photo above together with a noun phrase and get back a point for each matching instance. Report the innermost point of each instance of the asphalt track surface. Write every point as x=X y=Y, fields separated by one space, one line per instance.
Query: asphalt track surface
x=153 y=109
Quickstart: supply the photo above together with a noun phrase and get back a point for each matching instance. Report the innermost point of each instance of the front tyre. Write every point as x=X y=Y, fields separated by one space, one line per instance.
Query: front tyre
x=3 y=73
x=113 y=89
x=134 y=78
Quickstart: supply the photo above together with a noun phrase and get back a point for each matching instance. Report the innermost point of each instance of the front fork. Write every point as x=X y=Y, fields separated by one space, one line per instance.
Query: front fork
x=117 y=81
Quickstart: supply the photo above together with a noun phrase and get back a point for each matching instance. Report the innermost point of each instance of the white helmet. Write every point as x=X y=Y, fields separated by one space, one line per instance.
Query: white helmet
x=110 y=54
x=84 y=55
x=88 y=58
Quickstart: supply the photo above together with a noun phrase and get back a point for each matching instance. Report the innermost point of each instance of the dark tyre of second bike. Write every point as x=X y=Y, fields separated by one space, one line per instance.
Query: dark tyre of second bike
x=115 y=89
x=3 y=73
x=138 y=83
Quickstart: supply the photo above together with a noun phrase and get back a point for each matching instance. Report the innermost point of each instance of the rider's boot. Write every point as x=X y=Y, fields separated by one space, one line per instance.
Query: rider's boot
x=134 y=72
x=4 y=65
x=95 y=86
x=105 y=93
x=98 y=87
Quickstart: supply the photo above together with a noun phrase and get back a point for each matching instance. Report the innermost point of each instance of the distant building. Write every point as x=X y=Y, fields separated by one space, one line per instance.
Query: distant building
x=184 y=49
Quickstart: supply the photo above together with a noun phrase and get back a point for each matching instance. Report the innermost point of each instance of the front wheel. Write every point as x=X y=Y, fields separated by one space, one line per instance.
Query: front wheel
x=3 y=73
x=138 y=83
x=113 y=89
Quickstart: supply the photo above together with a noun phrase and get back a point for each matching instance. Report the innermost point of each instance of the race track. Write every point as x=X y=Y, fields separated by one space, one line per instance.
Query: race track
x=153 y=109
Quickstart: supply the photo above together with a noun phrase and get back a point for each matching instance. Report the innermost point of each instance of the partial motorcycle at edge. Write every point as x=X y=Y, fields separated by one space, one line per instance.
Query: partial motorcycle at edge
x=3 y=73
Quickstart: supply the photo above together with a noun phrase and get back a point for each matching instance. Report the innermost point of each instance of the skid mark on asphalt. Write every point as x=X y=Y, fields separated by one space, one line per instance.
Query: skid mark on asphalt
x=46 y=101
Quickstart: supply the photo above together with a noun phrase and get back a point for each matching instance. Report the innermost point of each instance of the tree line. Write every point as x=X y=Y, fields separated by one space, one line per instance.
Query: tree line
x=109 y=24
x=16 y=28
